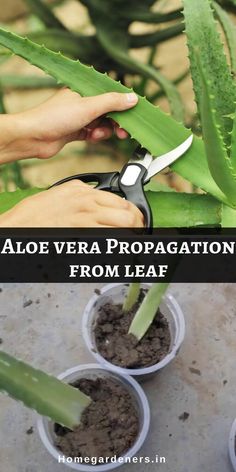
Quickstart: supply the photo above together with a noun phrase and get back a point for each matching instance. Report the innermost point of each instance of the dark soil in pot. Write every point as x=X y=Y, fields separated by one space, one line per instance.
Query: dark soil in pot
x=109 y=425
x=122 y=349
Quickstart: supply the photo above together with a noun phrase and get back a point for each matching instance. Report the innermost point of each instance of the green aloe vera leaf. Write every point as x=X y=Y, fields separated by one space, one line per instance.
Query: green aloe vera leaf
x=4 y=55
x=228 y=218
x=2 y=104
x=39 y=391
x=233 y=146
x=150 y=39
x=44 y=13
x=155 y=186
x=218 y=160
x=143 y=15
x=85 y=47
x=147 y=310
x=16 y=175
x=202 y=35
x=141 y=87
x=151 y=127
x=152 y=73
x=179 y=210
x=115 y=43
x=111 y=40
x=27 y=82
x=67 y=43
x=230 y=32
x=132 y=296
x=197 y=163
x=115 y=8
x=5 y=177
x=228 y=4
x=159 y=94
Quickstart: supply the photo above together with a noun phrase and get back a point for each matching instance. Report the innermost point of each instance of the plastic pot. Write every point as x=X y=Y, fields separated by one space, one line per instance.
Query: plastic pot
x=93 y=371
x=232 y=445
x=115 y=293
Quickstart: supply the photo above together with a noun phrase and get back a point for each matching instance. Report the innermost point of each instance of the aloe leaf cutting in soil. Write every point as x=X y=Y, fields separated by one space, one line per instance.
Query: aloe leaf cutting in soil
x=42 y=392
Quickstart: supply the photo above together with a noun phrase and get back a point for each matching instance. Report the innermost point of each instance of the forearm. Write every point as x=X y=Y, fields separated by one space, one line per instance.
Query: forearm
x=14 y=142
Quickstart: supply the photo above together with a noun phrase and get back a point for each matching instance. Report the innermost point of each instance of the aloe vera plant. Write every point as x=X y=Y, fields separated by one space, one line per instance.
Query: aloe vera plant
x=112 y=22
x=210 y=164
x=112 y=40
x=148 y=308
x=39 y=391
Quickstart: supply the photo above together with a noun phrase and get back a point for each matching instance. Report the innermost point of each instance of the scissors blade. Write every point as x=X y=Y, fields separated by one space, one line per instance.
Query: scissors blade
x=160 y=163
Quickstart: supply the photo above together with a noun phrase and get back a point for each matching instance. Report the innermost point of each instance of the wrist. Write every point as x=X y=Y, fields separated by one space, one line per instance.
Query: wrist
x=15 y=138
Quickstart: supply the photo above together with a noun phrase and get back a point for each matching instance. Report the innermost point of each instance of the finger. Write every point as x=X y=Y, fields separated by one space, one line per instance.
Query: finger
x=95 y=124
x=88 y=204
x=138 y=214
x=99 y=129
x=90 y=133
x=94 y=107
x=118 y=218
x=95 y=135
x=111 y=200
x=121 y=133
x=74 y=185
x=85 y=220
x=100 y=134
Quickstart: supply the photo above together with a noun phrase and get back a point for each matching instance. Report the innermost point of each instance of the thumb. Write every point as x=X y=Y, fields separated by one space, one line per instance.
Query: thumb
x=94 y=107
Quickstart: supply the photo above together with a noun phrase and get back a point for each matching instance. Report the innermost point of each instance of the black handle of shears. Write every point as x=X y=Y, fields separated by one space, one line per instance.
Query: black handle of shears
x=103 y=180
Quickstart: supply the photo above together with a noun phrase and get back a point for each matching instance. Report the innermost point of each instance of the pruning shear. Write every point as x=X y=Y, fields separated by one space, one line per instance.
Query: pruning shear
x=135 y=174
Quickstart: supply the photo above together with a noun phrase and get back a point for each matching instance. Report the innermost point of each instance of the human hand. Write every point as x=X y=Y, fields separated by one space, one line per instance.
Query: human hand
x=43 y=131
x=73 y=204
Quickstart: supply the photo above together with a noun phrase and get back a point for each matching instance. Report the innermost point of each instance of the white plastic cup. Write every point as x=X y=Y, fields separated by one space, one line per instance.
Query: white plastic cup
x=93 y=371
x=232 y=445
x=115 y=293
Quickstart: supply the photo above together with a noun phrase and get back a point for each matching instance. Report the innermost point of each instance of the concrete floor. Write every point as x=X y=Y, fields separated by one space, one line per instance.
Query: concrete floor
x=42 y=325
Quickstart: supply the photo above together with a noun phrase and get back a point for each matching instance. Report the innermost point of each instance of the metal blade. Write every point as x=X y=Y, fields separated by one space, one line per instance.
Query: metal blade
x=161 y=162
